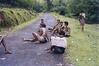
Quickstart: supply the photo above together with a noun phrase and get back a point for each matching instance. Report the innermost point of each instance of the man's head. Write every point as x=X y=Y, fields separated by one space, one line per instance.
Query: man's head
x=58 y=20
x=61 y=23
x=82 y=11
x=66 y=23
x=42 y=20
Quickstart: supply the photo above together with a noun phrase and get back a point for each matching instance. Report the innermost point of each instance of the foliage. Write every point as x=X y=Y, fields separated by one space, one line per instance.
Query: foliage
x=90 y=7
x=27 y=4
x=59 y=9
x=14 y=17
x=64 y=7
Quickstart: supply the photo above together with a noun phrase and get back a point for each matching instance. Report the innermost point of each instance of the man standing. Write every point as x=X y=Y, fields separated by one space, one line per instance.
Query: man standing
x=82 y=20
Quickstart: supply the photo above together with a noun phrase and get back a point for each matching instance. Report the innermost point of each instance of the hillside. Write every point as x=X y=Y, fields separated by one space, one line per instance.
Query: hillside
x=11 y=17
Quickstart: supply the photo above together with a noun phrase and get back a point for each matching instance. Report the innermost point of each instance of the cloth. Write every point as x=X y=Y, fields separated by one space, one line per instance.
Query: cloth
x=83 y=14
x=82 y=21
x=57 y=50
x=60 y=42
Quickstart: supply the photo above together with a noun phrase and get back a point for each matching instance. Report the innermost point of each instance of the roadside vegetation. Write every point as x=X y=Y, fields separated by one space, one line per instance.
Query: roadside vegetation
x=82 y=46
x=12 y=17
x=15 y=16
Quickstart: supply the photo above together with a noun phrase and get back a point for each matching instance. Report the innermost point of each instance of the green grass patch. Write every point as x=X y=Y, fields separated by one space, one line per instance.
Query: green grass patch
x=15 y=16
x=26 y=23
x=83 y=47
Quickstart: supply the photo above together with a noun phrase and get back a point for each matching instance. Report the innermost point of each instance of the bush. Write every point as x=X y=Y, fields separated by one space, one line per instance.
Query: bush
x=60 y=9
x=13 y=17
x=90 y=7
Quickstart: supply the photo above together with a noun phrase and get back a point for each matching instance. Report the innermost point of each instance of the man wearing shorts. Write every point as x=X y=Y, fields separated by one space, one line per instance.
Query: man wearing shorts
x=82 y=20
x=40 y=36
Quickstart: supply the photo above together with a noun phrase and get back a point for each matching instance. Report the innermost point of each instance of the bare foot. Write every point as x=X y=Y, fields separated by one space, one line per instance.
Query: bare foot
x=24 y=39
x=48 y=50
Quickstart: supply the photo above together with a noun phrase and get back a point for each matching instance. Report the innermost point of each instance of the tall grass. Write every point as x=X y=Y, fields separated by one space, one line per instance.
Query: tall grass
x=15 y=16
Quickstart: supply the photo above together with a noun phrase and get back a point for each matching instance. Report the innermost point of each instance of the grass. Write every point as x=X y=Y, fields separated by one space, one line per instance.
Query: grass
x=83 y=46
x=15 y=16
x=4 y=31
x=26 y=23
x=15 y=19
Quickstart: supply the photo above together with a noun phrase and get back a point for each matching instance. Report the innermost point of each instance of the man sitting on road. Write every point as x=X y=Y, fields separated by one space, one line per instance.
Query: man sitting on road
x=62 y=29
x=58 y=22
x=65 y=30
x=42 y=23
x=40 y=36
x=57 y=29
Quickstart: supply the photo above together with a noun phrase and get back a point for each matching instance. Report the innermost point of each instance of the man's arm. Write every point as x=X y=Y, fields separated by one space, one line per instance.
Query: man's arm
x=69 y=31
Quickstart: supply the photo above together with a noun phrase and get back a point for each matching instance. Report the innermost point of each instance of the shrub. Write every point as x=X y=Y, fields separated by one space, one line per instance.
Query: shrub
x=13 y=17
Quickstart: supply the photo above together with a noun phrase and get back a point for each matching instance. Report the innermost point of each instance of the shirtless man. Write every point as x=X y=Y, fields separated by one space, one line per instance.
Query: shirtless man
x=66 y=29
x=62 y=29
x=40 y=36
x=57 y=29
x=42 y=22
x=58 y=22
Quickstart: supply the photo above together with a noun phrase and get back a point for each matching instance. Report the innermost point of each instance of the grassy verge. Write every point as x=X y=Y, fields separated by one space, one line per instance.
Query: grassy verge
x=27 y=23
x=15 y=16
x=4 y=31
x=83 y=46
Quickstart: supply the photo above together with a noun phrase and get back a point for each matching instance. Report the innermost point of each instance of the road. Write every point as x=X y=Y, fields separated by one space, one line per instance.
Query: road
x=29 y=54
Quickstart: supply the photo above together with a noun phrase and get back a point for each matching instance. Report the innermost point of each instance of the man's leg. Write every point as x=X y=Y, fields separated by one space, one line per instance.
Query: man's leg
x=4 y=45
x=36 y=37
x=82 y=27
x=33 y=39
x=50 y=50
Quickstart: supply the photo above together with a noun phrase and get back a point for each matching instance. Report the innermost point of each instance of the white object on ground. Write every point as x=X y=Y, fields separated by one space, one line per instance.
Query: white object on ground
x=76 y=59
x=60 y=42
x=89 y=59
x=2 y=58
x=72 y=41
x=60 y=64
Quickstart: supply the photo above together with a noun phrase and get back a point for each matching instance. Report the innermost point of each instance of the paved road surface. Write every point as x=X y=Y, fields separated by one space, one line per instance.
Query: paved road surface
x=29 y=54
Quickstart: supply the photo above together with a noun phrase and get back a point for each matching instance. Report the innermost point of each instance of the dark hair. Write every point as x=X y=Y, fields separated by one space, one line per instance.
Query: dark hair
x=43 y=25
x=80 y=17
x=82 y=11
x=42 y=19
x=58 y=19
x=66 y=23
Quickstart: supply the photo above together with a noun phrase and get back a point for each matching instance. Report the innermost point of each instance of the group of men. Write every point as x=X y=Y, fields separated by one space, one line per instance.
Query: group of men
x=60 y=30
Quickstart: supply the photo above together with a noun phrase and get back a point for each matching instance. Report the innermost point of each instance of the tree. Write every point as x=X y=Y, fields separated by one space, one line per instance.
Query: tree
x=90 y=7
x=49 y=4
